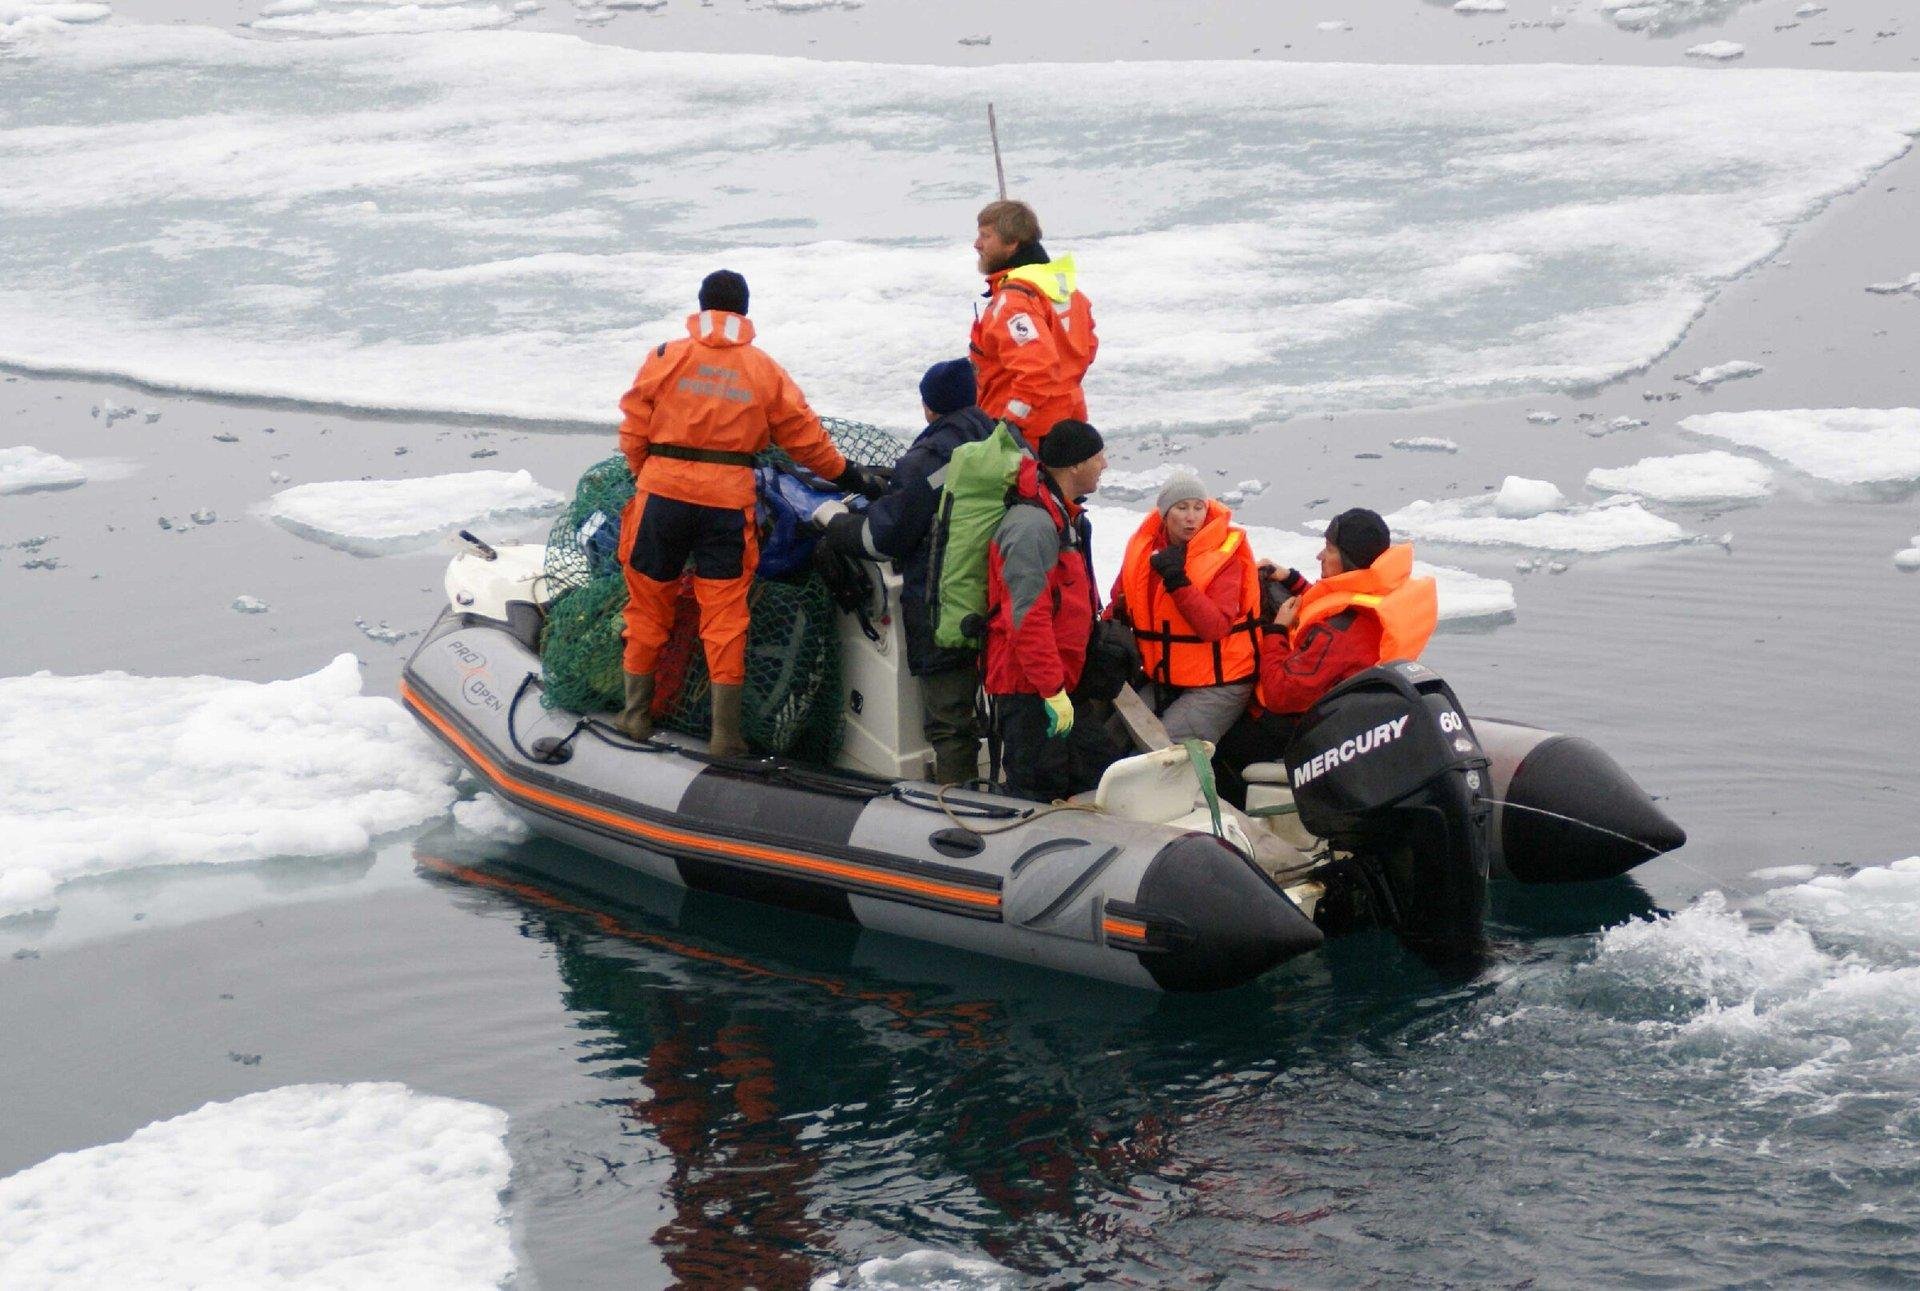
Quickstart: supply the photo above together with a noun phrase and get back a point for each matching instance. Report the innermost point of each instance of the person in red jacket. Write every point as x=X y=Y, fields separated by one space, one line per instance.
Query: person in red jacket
x=1367 y=608
x=699 y=409
x=1041 y=606
x=1034 y=340
x=1190 y=589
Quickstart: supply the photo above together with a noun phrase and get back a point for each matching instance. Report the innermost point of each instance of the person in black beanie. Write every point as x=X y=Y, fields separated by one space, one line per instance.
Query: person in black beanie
x=897 y=528
x=1041 y=607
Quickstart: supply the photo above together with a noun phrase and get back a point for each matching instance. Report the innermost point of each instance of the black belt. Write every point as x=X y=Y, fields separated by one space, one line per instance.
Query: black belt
x=712 y=456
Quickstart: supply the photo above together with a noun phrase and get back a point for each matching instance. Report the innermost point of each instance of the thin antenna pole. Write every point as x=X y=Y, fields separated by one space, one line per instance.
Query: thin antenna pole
x=999 y=171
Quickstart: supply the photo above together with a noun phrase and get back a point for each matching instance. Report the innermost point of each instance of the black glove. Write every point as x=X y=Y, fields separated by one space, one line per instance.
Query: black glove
x=1276 y=587
x=1170 y=562
x=857 y=479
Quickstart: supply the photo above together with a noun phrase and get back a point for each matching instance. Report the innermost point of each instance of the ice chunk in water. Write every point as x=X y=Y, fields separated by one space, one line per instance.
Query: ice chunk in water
x=26 y=17
x=1426 y=444
x=362 y=1185
x=1909 y=285
x=922 y=1271
x=1876 y=448
x=1473 y=522
x=1718 y=50
x=1907 y=559
x=405 y=19
x=1687 y=478
x=250 y=605
x=380 y=517
x=182 y=770
x=488 y=817
x=25 y=469
x=1708 y=378
x=1520 y=498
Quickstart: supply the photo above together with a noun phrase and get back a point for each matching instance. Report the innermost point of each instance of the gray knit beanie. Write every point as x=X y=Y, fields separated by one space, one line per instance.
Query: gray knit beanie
x=1180 y=488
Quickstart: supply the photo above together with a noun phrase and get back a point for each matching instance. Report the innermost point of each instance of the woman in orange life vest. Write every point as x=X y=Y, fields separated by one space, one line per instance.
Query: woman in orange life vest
x=1366 y=608
x=1191 y=593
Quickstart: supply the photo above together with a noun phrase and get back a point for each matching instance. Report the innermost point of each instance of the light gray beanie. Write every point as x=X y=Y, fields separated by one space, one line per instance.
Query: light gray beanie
x=1179 y=489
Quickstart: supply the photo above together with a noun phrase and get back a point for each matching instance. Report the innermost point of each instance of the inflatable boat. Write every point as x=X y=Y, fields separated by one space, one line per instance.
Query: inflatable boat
x=1391 y=808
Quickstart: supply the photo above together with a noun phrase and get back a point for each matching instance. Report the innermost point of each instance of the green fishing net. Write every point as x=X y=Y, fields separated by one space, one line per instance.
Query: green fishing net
x=793 y=701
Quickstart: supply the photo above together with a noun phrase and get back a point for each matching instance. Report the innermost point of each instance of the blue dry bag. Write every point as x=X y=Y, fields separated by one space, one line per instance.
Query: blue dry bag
x=788 y=499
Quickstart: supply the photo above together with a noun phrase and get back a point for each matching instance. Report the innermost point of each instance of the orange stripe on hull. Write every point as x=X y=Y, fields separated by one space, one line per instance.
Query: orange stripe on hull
x=844 y=870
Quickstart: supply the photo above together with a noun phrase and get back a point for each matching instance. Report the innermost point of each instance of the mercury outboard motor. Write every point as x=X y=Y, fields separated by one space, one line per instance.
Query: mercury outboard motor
x=1387 y=769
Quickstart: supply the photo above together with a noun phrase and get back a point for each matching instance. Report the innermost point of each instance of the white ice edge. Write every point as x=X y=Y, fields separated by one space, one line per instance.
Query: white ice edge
x=382 y=517
x=470 y=247
x=1688 y=478
x=360 y=1185
x=1877 y=448
x=1476 y=522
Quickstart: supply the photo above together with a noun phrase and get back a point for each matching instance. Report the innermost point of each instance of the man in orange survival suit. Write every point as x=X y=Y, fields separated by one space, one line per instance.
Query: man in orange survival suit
x=699 y=410
x=1034 y=341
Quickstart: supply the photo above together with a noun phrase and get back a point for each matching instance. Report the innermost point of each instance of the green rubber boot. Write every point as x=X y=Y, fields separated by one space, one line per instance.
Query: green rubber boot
x=636 y=719
x=725 y=741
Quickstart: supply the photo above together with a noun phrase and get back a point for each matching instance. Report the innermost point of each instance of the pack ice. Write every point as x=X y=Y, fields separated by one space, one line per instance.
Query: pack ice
x=1873 y=448
x=1697 y=478
x=381 y=517
x=525 y=213
x=20 y=18
x=112 y=772
x=1533 y=514
x=380 y=18
x=362 y=1185
x=1464 y=597
x=28 y=470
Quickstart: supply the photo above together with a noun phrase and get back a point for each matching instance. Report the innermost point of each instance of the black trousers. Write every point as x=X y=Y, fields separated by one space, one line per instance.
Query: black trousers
x=1043 y=767
x=1248 y=741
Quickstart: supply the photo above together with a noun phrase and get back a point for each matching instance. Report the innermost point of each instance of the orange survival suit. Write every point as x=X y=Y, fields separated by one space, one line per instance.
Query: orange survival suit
x=1205 y=633
x=699 y=409
x=1033 y=343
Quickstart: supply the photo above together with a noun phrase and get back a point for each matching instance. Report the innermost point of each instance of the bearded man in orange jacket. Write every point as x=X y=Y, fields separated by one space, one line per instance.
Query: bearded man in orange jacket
x=1034 y=341
x=699 y=409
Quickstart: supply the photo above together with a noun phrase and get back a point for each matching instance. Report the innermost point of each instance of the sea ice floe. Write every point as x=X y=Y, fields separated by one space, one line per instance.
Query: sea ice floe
x=810 y=6
x=1875 y=448
x=1426 y=444
x=1874 y=909
x=1540 y=417
x=921 y=1271
x=1464 y=597
x=1708 y=378
x=111 y=772
x=361 y=1185
x=1480 y=6
x=244 y=604
x=1519 y=498
x=385 y=20
x=526 y=214
x=1474 y=522
x=381 y=517
x=24 y=469
x=30 y=17
x=486 y=816
x=1909 y=285
x=1907 y=559
x=1693 y=478
x=1125 y=486
x=1717 y=50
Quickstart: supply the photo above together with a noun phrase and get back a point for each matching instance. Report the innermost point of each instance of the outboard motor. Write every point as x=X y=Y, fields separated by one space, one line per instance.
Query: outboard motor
x=1387 y=769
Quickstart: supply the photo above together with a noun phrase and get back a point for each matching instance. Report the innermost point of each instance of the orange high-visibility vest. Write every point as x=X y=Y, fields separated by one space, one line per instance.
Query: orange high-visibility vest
x=1172 y=653
x=1408 y=608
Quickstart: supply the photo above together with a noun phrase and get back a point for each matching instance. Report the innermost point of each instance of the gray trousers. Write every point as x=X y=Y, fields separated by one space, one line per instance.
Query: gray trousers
x=950 y=723
x=1199 y=712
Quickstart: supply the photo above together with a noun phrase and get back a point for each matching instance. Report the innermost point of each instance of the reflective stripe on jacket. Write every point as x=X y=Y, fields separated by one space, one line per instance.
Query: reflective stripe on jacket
x=1041 y=601
x=717 y=394
x=1173 y=651
x=1032 y=346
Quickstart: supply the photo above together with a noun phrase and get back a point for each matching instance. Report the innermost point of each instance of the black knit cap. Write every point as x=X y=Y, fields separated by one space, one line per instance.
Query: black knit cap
x=724 y=289
x=1069 y=443
x=1359 y=536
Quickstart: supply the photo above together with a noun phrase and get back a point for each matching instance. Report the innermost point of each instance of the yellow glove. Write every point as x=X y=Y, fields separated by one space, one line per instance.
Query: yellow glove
x=1059 y=714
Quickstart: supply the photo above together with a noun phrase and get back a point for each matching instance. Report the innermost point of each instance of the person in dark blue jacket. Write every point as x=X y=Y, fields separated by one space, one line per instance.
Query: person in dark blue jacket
x=897 y=528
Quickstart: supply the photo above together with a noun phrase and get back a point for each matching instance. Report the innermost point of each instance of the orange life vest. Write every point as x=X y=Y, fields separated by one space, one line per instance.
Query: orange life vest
x=1172 y=653
x=1407 y=608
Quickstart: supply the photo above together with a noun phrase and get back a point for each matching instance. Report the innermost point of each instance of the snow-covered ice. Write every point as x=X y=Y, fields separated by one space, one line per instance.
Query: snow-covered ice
x=28 y=17
x=1464 y=597
x=111 y=772
x=921 y=1271
x=1473 y=522
x=1733 y=369
x=1875 y=448
x=1692 y=478
x=384 y=20
x=526 y=213
x=1520 y=498
x=24 y=469
x=1718 y=50
x=1426 y=444
x=488 y=817
x=381 y=517
x=361 y=1185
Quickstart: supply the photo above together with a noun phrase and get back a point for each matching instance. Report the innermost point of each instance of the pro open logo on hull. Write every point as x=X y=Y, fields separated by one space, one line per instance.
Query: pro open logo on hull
x=1349 y=749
